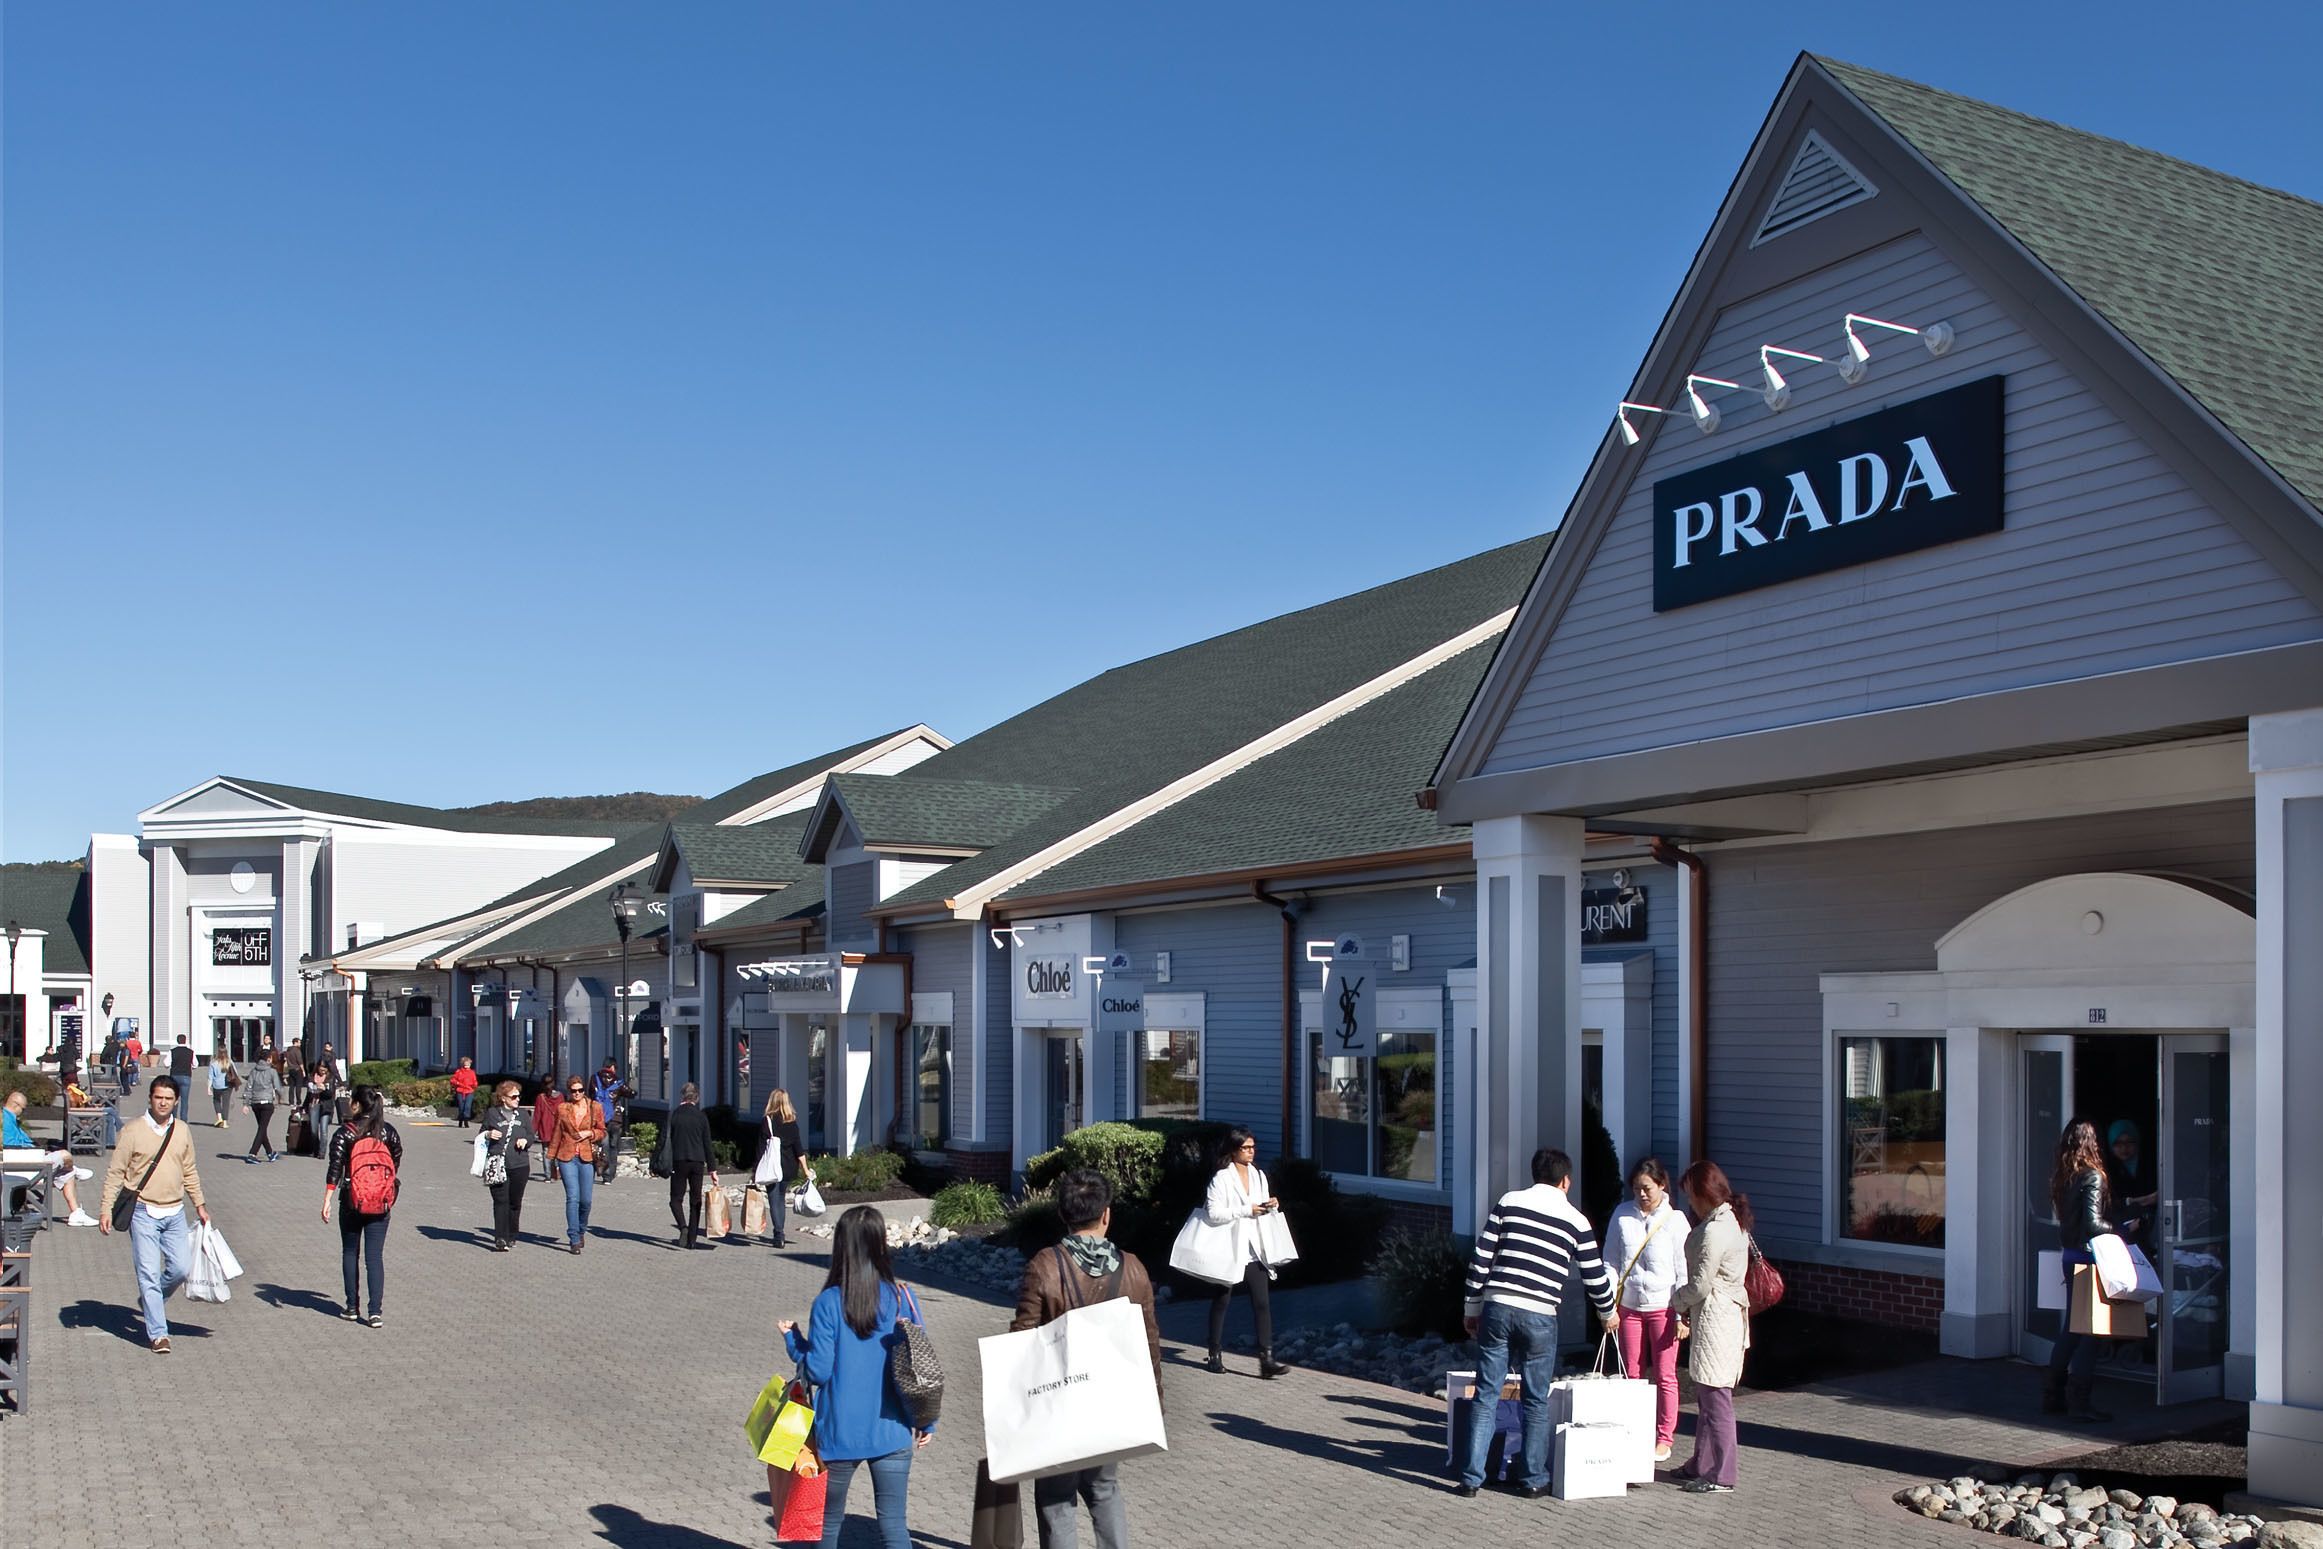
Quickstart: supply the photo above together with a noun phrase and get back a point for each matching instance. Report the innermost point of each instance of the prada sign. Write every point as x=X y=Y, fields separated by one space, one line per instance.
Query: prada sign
x=1911 y=477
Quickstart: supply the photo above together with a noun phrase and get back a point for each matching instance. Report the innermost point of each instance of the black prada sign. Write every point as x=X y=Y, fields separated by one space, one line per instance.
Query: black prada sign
x=1906 y=478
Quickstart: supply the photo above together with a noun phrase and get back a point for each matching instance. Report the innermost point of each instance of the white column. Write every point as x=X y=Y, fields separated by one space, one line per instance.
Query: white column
x=2286 y=1417
x=1528 y=982
x=851 y=1086
x=1980 y=1108
x=172 y=960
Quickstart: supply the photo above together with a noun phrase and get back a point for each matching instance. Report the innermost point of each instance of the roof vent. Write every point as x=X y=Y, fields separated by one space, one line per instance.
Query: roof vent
x=1820 y=181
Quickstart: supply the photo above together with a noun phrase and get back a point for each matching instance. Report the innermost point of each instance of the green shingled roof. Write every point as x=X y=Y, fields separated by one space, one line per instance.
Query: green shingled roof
x=948 y=814
x=52 y=900
x=2218 y=281
x=1130 y=731
x=750 y=793
x=366 y=809
x=765 y=852
x=582 y=922
x=1345 y=790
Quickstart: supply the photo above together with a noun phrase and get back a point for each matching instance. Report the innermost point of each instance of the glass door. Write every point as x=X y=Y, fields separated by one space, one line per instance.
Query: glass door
x=1067 y=1085
x=2045 y=1100
x=2192 y=1222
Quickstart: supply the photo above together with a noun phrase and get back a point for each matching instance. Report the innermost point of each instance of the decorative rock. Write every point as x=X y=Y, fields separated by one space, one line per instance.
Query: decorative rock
x=2117 y=1538
x=2087 y=1500
x=2290 y=1535
x=2127 y=1500
x=2193 y=1511
x=2161 y=1505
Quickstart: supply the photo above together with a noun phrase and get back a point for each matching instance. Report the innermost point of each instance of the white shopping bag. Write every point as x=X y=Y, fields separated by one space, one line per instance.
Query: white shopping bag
x=2049 y=1281
x=206 y=1281
x=1459 y=1388
x=1275 y=1244
x=1607 y=1397
x=476 y=1162
x=807 y=1200
x=1590 y=1461
x=2149 y=1279
x=769 y=1168
x=229 y=1267
x=1072 y=1394
x=1206 y=1251
x=2116 y=1275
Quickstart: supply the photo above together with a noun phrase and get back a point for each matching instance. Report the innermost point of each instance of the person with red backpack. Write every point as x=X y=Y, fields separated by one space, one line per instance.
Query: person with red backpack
x=366 y=1155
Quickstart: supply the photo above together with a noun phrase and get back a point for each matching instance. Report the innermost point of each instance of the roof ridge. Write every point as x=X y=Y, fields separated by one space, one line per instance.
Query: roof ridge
x=1840 y=69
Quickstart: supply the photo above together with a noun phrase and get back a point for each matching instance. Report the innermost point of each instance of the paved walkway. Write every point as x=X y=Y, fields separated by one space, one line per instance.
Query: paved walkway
x=538 y=1398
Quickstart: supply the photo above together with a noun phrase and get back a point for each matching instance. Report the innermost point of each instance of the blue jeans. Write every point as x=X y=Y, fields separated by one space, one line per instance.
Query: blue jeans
x=1534 y=1336
x=890 y=1479
x=161 y=1250
x=1057 y=1501
x=466 y=1103
x=580 y=1192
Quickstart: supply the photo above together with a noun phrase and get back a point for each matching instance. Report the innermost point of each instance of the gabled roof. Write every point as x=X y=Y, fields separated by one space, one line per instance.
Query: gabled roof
x=906 y=812
x=754 y=854
x=2217 y=280
x=366 y=809
x=727 y=805
x=1340 y=792
x=54 y=900
x=584 y=921
x=799 y=903
x=1134 y=730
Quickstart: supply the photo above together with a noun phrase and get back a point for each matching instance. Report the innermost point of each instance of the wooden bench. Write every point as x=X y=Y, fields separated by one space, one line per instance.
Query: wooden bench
x=15 y=1269
x=16 y=1348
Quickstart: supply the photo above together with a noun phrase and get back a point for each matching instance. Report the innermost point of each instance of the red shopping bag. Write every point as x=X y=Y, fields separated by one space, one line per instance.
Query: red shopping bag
x=798 y=1513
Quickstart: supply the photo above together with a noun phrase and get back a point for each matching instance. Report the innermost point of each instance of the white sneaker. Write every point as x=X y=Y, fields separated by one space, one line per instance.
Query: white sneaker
x=82 y=1174
x=80 y=1218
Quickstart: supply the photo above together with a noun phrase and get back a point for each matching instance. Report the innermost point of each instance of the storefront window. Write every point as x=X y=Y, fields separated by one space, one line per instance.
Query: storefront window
x=1169 y=1074
x=931 y=1049
x=1891 y=1142
x=1375 y=1117
x=818 y=1088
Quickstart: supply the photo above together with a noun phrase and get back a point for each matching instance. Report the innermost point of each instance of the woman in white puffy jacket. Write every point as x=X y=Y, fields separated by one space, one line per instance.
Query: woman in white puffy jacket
x=1645 y=1248
x=1238 y=1197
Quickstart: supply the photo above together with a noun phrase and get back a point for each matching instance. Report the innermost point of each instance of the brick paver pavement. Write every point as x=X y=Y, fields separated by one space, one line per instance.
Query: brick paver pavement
x=539 y=1398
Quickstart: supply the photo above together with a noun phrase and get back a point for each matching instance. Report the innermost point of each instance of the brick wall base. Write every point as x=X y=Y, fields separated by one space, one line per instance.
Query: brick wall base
x=1419 y=1220
x=980 y=1166
x=1865 y=1295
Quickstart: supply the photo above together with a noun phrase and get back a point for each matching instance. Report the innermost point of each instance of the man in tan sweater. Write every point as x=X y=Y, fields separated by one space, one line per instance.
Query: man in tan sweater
x=161 y=1243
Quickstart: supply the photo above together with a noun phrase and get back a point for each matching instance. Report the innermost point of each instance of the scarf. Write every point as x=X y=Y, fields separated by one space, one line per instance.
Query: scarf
x=1096 y=1256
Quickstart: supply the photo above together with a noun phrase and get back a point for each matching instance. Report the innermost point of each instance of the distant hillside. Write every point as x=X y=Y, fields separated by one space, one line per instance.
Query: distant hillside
x=71 y=865
x=629 y=807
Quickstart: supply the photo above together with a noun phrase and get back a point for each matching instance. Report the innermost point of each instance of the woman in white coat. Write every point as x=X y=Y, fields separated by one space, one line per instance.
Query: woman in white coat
x=1645 y=1247
x=1713 y=1309
x=1238 y=1197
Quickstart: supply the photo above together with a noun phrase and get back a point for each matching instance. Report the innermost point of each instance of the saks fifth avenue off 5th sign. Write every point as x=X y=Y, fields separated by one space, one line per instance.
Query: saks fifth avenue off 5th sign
x=1920 y=474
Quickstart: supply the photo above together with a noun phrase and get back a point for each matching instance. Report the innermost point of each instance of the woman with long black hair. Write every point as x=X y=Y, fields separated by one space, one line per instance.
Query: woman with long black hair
x=1239 y=1195
x=2082 y=1196
x=366 y=1163
x=844 y=1353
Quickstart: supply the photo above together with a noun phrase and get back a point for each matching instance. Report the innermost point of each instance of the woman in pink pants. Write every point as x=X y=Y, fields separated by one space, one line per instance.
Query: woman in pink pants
x=1645 y=1248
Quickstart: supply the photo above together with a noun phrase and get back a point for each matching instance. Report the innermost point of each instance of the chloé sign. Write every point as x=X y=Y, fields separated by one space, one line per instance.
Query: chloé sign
x=1920 y=474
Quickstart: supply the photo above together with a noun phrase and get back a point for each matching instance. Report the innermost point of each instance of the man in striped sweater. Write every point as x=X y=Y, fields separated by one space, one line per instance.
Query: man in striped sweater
x=1532 y=1243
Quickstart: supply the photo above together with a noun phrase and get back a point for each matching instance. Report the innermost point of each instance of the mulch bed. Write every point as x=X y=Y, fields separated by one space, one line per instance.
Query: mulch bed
x=2198 y=1465
x=1790 y=1349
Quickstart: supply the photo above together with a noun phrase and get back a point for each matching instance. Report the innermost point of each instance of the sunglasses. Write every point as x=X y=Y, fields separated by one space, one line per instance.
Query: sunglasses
x=572 y=1091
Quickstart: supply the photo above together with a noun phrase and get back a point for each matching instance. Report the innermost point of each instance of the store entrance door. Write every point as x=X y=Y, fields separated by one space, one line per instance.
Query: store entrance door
x=1067 y=1104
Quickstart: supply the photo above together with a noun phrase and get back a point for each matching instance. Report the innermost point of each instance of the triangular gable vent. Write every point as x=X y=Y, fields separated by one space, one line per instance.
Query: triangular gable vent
x=1820 y=181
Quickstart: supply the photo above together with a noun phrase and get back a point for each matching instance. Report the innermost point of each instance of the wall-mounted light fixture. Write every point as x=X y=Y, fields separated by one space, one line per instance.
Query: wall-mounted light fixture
x=1629 y=435
x=1778 y=391
x=1855 y=365
x=1705 y=412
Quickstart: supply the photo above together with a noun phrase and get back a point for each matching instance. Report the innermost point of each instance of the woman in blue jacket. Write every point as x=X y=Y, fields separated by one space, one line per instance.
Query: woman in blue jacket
x=844 y=1353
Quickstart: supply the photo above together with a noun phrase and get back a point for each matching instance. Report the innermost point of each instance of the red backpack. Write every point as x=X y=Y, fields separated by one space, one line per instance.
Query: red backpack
x=371 y=1176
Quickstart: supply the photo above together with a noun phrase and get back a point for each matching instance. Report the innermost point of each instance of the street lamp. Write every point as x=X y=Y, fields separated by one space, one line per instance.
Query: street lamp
x=625 y=908
x=15 y=1010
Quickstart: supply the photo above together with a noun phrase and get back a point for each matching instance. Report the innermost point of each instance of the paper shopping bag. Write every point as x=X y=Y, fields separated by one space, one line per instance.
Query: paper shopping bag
x=229 y=1267
x=1606 y=1396
x=715 y=1216
x=754 y=1212
x=204 y=1282
x=1206 y=1251
x=2049 y=1281
x=1072 y=1394
x=2093 y=1313
x=1589 y=1461
x=2116 y=1274
x=798 y=1515
x=779 y=1422
x=1275 y=1244
x=996 y=1520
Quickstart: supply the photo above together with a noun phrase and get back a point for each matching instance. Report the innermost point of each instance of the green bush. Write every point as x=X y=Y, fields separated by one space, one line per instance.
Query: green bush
x=1128 y=1156
x=1338 y=1234
x=383 y=1073
x=1602 y=1185
x=1034 y=1225
x=644 y=1137
x=1421 y=1283
x=967 y=1204
x=866 y=1172
x=39 y=1091
x=422 y=1094
x=722 y=1154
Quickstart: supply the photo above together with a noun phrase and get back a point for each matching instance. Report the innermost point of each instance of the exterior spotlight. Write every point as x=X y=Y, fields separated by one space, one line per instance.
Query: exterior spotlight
x=1778 y=391
x=1629 y=435
x=1705 y=413
x=1856 y=364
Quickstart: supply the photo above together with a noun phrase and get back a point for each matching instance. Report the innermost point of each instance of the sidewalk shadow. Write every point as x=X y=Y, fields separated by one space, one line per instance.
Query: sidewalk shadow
x=1415 y=1411
x=1414 y=1461
x=119 y=1321
x=298 y=1297
x=630 y=1530
x=651 y=1239
x=473 y=1236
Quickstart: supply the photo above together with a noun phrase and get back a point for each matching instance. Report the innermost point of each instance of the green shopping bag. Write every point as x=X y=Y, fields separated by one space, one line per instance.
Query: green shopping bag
x=780 y=1422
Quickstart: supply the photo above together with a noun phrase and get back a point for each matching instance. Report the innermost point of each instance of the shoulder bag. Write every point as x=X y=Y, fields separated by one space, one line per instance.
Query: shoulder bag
x=1762 y=1283
x=496 y=1164
x=913 y=1363
x=125 y=1203
x=769 y=1169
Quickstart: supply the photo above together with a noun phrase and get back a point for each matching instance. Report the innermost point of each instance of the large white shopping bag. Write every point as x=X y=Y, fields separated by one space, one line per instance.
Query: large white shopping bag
x=229 y=1267
x=1076 y=1393
x=2116 y=1271
x=2049 y=1281
x=1275 y=1243
x=1607 y=1397
x=1589 y=1461
x=206 y=1281
x=1206 y=1251
x=2149 y=1279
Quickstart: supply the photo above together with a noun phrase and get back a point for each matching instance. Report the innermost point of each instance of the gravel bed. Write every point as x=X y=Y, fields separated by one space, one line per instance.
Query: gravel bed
x=2059 y=1512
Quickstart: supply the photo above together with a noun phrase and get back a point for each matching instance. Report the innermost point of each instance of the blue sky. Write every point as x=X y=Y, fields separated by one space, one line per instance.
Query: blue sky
x=453 y=403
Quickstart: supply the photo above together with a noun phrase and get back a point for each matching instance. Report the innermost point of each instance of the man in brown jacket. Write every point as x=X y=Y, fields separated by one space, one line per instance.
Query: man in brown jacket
x=154 y=1160
x=1085 y=1268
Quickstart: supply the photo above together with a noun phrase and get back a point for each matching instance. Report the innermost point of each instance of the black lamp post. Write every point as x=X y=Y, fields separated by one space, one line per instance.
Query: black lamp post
x=625 y=906
x=15 y=1008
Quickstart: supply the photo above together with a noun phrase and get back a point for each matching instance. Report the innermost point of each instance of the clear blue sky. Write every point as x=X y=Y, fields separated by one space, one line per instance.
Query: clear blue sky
x=450 y=402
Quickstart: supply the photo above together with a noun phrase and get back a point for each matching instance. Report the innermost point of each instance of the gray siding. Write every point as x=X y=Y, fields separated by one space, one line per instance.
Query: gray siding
x=999 y=1045
x=2109 y=561
x=940 y=962
x=1782 y=915
x=853 y=890
x=1663 y=927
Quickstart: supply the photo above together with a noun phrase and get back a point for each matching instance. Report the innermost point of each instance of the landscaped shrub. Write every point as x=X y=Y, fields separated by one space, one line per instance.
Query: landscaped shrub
x=436 y=1093
x=722 y=1156
x=866 y=1172
x=643 y=1138
x=1338 y=1233
x=1129 y=1157
x=1421 y=1281
x=382 y=1073
x=1602 y=1186
x=967 y=1204
x=1034 y=1225
x=39 y=1090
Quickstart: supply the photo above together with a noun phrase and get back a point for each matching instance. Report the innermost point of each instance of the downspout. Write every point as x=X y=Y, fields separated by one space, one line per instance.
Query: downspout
x=1698 y=948
x=1290 y=1018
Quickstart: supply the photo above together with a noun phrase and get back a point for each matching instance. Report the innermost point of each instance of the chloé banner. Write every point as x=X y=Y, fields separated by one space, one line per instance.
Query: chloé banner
x=1920 y=474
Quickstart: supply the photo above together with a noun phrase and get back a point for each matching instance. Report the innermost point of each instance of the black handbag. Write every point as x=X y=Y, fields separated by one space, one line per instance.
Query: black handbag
x=913 y=1363
x=997 y=1520
x=658 y=1164
x=125 y=1202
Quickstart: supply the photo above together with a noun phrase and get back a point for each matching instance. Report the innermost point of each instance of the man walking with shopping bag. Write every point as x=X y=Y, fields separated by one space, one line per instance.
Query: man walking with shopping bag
x=1087 y=1268
x=152 y=1179
x=1532 y=1243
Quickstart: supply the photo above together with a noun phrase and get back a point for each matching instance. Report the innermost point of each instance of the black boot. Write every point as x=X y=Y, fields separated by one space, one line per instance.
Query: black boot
x=1266 y=1363
x=2052 y=1393
x=2078 y=1405
x=1216 y=1363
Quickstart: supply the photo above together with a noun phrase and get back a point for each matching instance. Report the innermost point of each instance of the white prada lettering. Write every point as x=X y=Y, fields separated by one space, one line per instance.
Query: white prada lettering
x=1923 y=472
x=1688 y=533
x=1862 y=485
x=1732 y=526
x=1806 y=506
